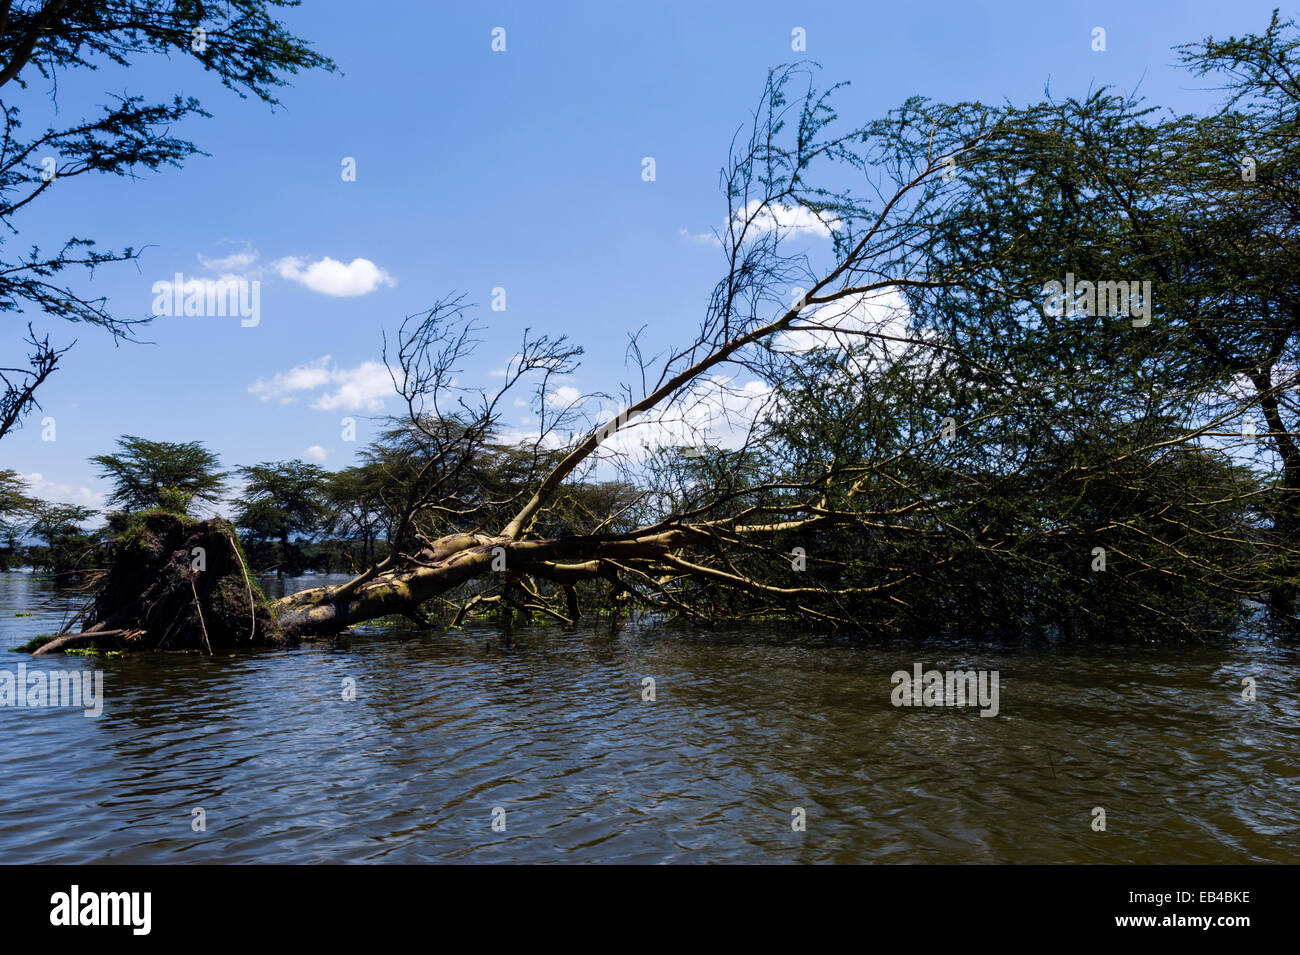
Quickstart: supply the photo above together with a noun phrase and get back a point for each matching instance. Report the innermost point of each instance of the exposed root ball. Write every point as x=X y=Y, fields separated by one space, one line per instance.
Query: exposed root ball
x=181 y=584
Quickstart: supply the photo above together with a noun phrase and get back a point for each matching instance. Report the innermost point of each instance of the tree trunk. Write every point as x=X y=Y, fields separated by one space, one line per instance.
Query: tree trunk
x=453 y=560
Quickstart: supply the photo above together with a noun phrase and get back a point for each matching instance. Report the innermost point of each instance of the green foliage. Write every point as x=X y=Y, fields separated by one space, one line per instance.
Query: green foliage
x=129 y=530
x=16 y=508
x=35 y=643
x=282 y=501
x=243 y=45
x=1204 y=209
x=67 y=547
x=166 y=475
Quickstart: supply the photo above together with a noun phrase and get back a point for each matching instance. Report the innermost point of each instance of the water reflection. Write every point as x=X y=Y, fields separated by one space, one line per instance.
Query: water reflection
x=745 y=727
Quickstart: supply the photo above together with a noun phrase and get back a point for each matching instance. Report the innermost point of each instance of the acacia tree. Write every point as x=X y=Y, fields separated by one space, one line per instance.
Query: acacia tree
x=1111 y=192
x=15 y=507
x=1245 y=229
x=356 y=512
x=66 y=545
x=240 y=41
x=282 y=500
x=171 y=476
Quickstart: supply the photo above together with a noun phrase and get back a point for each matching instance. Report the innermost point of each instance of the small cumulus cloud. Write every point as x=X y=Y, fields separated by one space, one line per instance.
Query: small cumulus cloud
x=306 y=377
x=881 y=319
x=787 y=220
x=225 y=290
x=326 y=275
x=316 y=453
x=714 y=411
x=231 y=288
x=703 y=238
x=363 y=388
x=563 y=397
x=236 y=263
x=40 y=486
x=331 y=277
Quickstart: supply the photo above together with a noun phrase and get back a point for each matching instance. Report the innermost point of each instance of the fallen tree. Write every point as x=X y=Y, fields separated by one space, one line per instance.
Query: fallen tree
x=869 y=473
x=765 y=183
x=846 y=498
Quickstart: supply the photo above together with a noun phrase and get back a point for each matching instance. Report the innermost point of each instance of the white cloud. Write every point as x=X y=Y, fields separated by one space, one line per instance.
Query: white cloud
x=520 y=436
x=236 y=262
x=778 y=217
x=47 y=490
x=331 y=277
x=714 y=412
x=316 y=453
x=719 y=411
x=363 y=388
x=234 y=289
x=227 y=288
x=312 y=375
x=563 y=397
x=788 y=220
x=704 y=238
x=879 y=320
x=327 y=276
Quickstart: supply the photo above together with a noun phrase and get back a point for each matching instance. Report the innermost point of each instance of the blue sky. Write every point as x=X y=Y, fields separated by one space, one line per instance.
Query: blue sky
x=478 y=169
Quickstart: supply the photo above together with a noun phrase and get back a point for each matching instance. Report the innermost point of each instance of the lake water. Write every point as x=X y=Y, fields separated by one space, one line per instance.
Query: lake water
x=447 y=730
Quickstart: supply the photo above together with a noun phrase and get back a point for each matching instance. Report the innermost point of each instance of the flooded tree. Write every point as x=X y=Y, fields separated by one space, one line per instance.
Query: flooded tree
x=873 y=470
x=902 y=412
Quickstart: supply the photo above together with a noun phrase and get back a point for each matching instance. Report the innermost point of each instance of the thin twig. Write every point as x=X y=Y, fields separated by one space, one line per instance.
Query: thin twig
x=252 y=608
x=195 y=591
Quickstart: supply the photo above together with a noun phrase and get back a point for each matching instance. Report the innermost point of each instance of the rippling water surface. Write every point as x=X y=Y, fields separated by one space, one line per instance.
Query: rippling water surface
x=747 y=725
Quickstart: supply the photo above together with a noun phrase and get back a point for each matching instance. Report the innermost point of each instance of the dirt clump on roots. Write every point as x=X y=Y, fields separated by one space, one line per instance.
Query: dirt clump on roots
x=176 y=584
